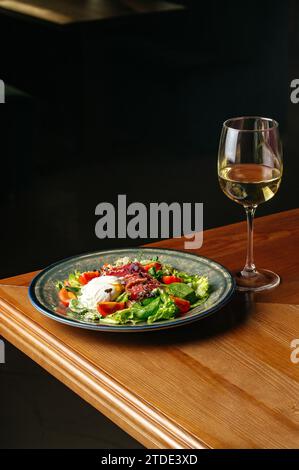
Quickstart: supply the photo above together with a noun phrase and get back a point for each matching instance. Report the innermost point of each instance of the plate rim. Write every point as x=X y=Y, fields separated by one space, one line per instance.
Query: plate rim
x=127 y=328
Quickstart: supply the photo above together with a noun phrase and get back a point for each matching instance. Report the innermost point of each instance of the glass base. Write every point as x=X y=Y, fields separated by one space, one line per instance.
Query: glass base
x=256 y=281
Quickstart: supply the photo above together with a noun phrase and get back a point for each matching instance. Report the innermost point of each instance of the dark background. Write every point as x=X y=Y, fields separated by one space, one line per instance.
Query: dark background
x=132 y=106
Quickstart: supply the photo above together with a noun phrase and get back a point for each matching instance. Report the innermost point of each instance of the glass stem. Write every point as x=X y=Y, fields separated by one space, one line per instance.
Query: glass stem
x=249 y=268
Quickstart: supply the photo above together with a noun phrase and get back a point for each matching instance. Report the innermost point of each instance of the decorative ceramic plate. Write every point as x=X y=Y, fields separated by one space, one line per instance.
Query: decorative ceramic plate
x=43 y=294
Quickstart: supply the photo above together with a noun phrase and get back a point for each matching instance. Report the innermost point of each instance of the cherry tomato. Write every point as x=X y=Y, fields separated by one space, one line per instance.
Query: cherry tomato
x=107 y=308
x=182 y=304
x=155 y=265
x=170 y=279
x=88 y=276
x=65 y=296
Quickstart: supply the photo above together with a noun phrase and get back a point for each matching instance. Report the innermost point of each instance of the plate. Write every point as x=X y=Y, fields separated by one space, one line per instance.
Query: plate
x=43 y=294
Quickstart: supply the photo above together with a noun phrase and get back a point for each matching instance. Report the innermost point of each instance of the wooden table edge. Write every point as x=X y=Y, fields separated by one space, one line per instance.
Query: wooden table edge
x=139 y=419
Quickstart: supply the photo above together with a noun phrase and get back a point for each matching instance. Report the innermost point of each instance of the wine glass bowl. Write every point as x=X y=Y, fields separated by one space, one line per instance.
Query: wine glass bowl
x=249 y=172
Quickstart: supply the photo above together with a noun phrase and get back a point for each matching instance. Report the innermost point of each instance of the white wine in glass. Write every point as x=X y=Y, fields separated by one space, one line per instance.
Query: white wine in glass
x=249 y=172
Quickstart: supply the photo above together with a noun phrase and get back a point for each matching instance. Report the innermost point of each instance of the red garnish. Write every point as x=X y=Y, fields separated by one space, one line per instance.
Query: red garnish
x=170 y=279
x=65 y=296
x=182 y=304
x=88 y=276
x=107 y=308
x=155 y=265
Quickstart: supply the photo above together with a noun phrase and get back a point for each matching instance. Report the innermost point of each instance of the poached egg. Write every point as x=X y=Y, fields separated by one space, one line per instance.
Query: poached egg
x=100 y=289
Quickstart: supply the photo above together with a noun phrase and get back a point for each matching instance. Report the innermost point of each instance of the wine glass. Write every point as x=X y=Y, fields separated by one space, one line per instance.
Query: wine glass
x=249 y=171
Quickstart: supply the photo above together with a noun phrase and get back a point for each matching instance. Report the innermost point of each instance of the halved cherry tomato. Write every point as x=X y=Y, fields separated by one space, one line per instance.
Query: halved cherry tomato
x=106 y=308
x=65 y=296
x=88 y=276
x=182 y=304
x=170 y=279
x=155 y=265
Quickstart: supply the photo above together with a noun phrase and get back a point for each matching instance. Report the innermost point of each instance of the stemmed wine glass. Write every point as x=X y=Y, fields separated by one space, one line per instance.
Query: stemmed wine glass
x=249 y=171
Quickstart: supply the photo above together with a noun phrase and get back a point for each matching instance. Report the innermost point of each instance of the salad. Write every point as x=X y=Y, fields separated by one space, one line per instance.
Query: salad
x=131 y=291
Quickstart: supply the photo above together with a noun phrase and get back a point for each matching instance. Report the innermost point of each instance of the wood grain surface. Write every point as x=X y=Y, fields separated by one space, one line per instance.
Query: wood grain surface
x=73 y=11
x=223 y=382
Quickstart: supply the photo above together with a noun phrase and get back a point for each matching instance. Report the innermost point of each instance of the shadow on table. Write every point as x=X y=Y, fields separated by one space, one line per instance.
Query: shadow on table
x=232 y=316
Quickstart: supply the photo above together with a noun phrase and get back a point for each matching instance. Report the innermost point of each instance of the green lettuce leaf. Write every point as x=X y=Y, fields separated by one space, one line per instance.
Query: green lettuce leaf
x=201 y=286
x=150 y=310
x=183 y=291
x=123 y=297
x=166 y=311
x=74 y=279
x=76 y=307
x=120 y=317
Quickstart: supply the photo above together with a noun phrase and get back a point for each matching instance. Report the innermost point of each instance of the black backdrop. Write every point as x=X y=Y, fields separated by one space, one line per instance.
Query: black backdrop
x=129 y=107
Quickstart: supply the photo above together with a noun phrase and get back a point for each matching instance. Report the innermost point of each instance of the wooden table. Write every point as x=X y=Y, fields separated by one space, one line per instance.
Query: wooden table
x=226 y=381
x=64 y=12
